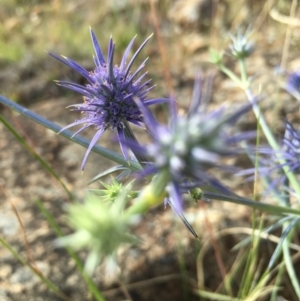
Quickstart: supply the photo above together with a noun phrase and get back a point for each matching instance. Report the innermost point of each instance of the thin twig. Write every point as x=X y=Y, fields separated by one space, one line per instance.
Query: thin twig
x=266 y=10
x=28 y=252
x=288 y=20
x=214 y=243
x=161 y=48
x=288 y=36
x=148 y=282
x=124 y=289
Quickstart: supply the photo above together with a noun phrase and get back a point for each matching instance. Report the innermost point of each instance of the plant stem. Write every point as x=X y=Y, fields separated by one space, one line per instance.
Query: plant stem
x=69 y=135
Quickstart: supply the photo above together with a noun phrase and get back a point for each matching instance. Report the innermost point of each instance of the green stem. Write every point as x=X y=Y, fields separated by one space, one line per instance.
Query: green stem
x=273 y=209
x=243 y=71
x=69 y=135
x=92 y=287
x=35 y=155
x=289 y=263
x=278 y=281
x=152 y=195
x=231 y=75
x=48 y=283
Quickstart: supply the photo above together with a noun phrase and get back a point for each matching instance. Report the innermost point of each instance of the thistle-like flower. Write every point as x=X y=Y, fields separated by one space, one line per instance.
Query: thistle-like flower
x=290 y=153
x=291 y=146
x=278 y=163
x=293 y=84
x=109 y=93
x=183 y=154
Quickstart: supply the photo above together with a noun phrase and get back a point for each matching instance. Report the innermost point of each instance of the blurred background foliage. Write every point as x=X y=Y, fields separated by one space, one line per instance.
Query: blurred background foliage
x=62 y=26
x=30 y=28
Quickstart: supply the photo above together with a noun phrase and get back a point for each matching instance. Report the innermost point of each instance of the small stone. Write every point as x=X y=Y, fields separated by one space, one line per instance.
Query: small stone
x=5 y=272
x=9 y=224
x=72 y=281
x=71 y=155
x=22 y=275
x=3 y=295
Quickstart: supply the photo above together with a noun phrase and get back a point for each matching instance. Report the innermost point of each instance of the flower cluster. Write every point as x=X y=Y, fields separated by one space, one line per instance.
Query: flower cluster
x=181 y=157
x=108 y=96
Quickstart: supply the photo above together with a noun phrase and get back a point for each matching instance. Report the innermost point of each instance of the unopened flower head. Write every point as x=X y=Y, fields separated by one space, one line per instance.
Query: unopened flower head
x=108 y=96
x=111 y=191
x=241 y=47
x=191 y=145
x=99 y=227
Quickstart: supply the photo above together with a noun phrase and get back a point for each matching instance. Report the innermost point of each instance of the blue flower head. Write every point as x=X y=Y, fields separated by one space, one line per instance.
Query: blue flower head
x=109 y=94
x=186 y=150
x=287 y=157
x=291 y=148
x=293 y=83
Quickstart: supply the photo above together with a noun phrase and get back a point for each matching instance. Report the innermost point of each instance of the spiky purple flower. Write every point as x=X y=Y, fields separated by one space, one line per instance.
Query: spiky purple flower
x=109 y=93
x=290 y=150
x=293 y=83
x=275 y=164
x=191 y=146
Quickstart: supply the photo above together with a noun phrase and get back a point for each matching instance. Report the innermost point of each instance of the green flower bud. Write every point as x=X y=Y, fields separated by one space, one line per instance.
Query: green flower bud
x=99 y=227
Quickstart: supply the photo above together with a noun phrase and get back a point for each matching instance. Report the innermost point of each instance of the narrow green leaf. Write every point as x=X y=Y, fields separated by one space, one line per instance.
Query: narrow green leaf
x=92 y=286
x=69 y=135
x=284 y=235
x=108 y=172
x=290 y=266
x=35 y=155
x=273 y=209
x=215 y=296
x=46 y=281
x=273 y=227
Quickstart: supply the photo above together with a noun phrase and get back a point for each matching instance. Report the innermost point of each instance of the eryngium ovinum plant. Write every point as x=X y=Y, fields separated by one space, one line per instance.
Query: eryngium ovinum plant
x=182 y=159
